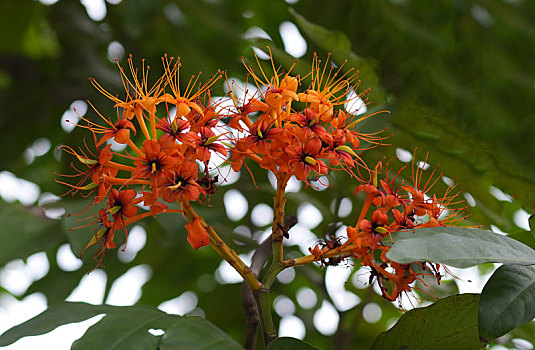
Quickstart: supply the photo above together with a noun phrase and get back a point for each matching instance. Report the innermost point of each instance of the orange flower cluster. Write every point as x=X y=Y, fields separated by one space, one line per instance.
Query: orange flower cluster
x=297 y=131
x=172 y=134
x=293 y=126
x=395 y=206
x=167 y=164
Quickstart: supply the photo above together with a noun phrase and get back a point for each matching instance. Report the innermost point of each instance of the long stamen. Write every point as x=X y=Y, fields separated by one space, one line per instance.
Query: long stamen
x=118 y=181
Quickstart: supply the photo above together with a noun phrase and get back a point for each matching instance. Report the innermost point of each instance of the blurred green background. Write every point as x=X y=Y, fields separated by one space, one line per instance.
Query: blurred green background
x=458 y=77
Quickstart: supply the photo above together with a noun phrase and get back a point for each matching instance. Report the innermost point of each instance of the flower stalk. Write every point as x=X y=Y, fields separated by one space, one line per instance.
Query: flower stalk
x=223 y=249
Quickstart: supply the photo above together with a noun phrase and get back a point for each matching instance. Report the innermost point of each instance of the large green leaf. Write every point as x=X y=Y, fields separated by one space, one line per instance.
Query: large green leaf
x=458 y=246
x=51 y=318
x=25 y=230
x=195 y=333
x=126 y=329
x=507 y=300
x=129 y=319
x=450 y=323
x=287 y=343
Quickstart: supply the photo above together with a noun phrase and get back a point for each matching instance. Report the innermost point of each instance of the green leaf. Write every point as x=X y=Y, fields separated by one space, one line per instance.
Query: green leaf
x=195 y=333
x=458 y=247
x=318 y=34
x=66 y=312
x=126 y=329
x=450 y=323
x=286 y=343
x=507 y=300
x=525 y=237
x=48 y=320
x=25 y=230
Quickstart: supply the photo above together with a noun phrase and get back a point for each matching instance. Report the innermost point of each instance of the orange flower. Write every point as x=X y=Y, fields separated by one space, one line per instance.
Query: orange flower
x=304 y=158
x=197 y=235
x=184 y=99
x=179 y=183
x=118 y=131
x=308 y=126
x=140 y=99
x=177 y=130
x=329 y=88
x=122 y=205
x=154 y=161
x=97 y=165
x=206 y=143
x=278 y=92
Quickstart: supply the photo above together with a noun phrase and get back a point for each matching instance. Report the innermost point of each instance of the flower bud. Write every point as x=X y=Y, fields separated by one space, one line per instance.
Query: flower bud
x=366 y=226
x=379 y=217
x=370 y=189
x=398 y=216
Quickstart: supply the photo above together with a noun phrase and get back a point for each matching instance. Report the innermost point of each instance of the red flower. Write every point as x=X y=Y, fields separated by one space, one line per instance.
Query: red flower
x=197 y=235
x=180 y=184
x=309 y=127
x=305 y=158
x=154 y=162
x=122 y=205
x=119 y=132
x=175 y=131
x=207 y=143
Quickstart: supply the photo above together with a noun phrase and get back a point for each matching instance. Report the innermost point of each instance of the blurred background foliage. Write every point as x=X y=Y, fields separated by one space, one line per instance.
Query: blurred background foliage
x=458 y=77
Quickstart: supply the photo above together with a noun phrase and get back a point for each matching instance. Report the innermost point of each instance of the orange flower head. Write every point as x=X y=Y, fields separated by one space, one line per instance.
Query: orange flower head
x=278 y=92
x=154 y=162
x=184 y=99
x=329 y=88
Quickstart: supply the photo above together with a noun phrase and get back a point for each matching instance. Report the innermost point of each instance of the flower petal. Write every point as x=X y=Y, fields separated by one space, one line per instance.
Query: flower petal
x=197 y=235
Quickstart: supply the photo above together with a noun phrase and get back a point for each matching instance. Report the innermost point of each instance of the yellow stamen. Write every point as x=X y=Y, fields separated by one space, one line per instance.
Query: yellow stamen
x=346 y=149
x=115 y=209
x=381 y=230
x=211 y=140
x=98 y=235
x=175 y=187
x=89 y=186
x=86 y=161
x=154 y=167
x=310 y=160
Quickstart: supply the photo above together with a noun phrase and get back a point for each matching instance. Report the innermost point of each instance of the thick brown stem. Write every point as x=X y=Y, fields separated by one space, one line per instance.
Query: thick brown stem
x=258 y=260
